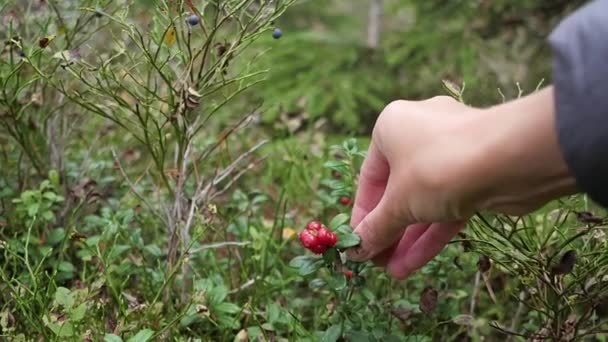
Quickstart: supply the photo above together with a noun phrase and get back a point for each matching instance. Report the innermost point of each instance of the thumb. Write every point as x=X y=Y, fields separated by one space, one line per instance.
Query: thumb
x=379 y=230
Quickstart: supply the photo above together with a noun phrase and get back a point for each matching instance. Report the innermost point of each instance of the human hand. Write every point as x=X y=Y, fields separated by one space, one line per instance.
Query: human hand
x=433 y=163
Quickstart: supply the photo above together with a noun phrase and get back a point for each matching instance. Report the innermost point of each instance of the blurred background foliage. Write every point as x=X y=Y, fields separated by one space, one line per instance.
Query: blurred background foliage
x=326 y=68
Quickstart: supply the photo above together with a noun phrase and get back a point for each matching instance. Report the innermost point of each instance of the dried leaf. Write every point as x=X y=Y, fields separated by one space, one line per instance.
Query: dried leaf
x=242 y=336
x=587 y=217
x=221 y=49
x=172 y=172
x=463 y=320
x=202 y=310
x=45 y=41
x=428 y=300
x=170 y=36
x=37 y=98
x=402 y=314
x=452 y=88
x=288 y=233
x=484 y=264
x=566 y=264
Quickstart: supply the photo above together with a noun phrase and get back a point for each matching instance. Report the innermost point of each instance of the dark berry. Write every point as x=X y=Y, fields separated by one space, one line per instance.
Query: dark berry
x=308 y=239
x=98 y=13
x=277 y=33
x=314 y=225
x=327 y=237
x=193 y=20
x=345 y=200
x=318 y=249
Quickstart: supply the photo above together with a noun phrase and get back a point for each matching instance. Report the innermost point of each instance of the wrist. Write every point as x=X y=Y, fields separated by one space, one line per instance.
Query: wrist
x=520 y=165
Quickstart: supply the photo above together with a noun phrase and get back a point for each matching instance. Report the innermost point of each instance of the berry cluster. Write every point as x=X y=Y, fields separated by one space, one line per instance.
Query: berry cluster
x=317 y=238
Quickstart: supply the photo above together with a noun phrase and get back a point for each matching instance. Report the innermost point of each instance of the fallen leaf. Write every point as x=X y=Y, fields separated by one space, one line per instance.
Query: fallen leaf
x=428 y=300
x=170 y=36
x=288 y=233
x=566 y=264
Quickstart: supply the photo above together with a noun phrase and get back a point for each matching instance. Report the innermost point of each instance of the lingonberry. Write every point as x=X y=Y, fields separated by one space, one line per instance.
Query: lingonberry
x=318 y=249
x=345 y=200
x=308 y=239
x=314 y=225
x=193 y=20
x=348 y=274
x=277 y=33
x=327 y=237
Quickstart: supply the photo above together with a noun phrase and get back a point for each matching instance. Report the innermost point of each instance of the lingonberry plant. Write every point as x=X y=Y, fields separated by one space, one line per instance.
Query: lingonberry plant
x=343 y=277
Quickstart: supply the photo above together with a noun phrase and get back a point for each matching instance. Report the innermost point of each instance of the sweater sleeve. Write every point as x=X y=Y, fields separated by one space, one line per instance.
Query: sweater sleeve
x=580 y=79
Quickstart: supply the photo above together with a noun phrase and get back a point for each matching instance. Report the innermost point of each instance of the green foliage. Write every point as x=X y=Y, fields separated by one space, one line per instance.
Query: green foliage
x=143 y=197
x=326 y=69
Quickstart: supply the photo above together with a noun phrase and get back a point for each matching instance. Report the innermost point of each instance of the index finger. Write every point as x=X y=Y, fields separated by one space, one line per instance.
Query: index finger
x=372 y=183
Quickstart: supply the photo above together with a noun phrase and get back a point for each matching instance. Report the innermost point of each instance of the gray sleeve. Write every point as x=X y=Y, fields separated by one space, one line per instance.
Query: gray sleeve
x=580 y=79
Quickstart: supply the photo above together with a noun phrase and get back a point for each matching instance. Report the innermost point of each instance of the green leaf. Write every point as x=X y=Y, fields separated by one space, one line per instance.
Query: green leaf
x=51 y=196
x=332 y=334
x=77 y=314
x=32 y=209
x=338 y=221
x=154 y=250
x=64 y=297
x=48 y=215
x=142 y=336
x=64 y=330
x=228 y=308
x=333 y=164
x=273 y=311
x=337 y=281
x=67 y=267
x=55 y=236
x=358 y=336
x=54 y=178
x=330 y=256
x=346 y=237
x=268 y=327
x=112 y=338
x=306 y=264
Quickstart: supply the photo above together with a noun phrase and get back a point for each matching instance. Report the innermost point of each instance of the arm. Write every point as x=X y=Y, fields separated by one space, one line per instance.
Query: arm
x=580 y=77
x=434 y=163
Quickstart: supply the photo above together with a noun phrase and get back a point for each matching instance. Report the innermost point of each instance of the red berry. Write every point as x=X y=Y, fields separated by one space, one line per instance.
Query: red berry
x=308 y=239
x=314 y=225
x=345 y=200
x=318 y=249
x=348 y=274
x=327 y=237
x=336 y=174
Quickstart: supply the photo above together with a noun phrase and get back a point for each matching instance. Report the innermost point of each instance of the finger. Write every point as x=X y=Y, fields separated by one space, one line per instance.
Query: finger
x=380 y=229
x=372 y=182
x=426 y=247
x=412 y=233
x=384 y=256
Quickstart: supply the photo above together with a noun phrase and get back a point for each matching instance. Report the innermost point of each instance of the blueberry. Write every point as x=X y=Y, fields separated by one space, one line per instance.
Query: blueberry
x=277 y=33
x=193 y=20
